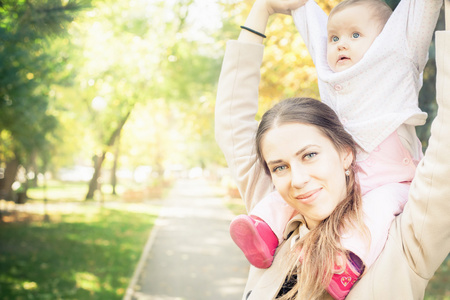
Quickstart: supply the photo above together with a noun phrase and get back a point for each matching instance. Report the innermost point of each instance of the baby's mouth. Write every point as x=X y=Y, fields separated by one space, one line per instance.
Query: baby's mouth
x=343 y=58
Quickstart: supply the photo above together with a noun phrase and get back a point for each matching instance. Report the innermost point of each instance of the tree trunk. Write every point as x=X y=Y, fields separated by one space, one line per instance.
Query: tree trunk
x=6 y=191
x=99 y=161
x=114 y=168
x=93 y=184
x=33 y=166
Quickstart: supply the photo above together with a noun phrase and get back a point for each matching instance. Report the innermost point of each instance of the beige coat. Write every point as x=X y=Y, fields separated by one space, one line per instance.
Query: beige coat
x=419 y=239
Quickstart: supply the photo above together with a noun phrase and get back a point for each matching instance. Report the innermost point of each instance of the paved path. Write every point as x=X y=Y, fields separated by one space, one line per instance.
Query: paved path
x=190 y=255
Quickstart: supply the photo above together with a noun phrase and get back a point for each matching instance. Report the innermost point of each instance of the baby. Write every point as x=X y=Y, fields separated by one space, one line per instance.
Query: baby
x=369 y=62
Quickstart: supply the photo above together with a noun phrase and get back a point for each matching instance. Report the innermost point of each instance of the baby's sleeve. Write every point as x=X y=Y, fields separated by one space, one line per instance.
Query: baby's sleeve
x=311 y=22
x=421 y=18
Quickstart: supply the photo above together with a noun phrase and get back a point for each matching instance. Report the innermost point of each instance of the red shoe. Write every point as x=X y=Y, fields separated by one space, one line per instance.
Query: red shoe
x=255 y=239
x=342 y=282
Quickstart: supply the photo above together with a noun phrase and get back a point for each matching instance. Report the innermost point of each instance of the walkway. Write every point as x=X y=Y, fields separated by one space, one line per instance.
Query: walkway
x=190 y=255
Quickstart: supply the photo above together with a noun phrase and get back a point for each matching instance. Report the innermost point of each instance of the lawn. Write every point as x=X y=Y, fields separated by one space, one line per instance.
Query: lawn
x=89 y=253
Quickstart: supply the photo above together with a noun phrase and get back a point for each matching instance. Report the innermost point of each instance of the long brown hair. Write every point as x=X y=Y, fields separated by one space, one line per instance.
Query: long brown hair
x=314 y=255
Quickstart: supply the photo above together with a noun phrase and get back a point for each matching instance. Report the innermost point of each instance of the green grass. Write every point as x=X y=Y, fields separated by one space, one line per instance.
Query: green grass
x=90 y=254
x=59 y=191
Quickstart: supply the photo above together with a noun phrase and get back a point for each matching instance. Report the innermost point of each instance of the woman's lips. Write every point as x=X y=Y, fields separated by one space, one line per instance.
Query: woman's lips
x=309 y=197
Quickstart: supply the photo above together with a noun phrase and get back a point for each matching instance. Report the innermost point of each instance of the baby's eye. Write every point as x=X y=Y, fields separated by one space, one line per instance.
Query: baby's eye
x=355 y=35
x=334 y=39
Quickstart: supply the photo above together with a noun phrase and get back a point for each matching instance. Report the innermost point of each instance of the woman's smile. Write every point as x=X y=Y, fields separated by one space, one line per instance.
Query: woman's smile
x=309 y=197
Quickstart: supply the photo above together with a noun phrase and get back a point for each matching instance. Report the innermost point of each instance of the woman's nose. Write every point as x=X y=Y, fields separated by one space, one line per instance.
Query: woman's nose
x=300 y=177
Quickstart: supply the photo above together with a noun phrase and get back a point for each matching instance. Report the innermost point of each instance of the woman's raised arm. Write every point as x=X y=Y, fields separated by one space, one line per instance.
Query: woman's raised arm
x=235 y=124
x=425 y=223
x=237 y=101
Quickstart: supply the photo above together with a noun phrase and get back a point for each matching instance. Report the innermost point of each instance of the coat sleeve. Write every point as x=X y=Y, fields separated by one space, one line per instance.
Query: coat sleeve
x=425 y=222
x=235 y=124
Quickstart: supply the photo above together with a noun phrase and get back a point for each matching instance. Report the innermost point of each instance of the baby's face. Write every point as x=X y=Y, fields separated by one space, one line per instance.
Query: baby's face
x=351 y=31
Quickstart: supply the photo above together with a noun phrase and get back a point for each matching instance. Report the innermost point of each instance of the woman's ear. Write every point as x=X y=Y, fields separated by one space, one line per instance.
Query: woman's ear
x=348 y=158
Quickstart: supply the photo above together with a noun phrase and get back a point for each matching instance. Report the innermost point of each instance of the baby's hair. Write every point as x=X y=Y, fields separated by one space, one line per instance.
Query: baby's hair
x=381 y=11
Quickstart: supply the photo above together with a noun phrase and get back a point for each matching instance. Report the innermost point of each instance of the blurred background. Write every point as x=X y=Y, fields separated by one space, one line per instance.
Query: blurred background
x=112 y=102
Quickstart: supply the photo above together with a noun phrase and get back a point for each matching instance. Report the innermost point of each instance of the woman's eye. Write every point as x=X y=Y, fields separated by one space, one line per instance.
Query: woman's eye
x=279 y=169
x=310 y=155
x=334 y=39
x=356 y=35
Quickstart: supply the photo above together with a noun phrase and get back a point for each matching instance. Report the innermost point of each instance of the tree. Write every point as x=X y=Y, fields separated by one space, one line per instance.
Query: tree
x=137 y=56
x=26 y=28
x=118 y=72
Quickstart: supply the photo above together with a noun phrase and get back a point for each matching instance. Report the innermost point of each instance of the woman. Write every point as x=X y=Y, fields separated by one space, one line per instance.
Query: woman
x=315 y=174
x=419 y=238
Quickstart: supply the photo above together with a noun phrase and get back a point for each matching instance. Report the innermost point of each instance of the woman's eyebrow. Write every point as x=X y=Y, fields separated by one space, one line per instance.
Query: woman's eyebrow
x=273 y=162
x=304 y=149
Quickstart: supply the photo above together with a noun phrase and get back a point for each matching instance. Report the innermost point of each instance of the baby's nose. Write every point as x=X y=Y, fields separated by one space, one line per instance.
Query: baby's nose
x=342 y=45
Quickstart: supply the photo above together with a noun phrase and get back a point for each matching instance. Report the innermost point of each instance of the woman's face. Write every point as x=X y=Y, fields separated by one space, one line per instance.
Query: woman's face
x=306 y=169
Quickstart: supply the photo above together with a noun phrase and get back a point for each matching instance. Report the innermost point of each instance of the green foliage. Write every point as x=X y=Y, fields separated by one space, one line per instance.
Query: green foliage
x=62 y=57
x=27 y=28
x=438 y=287
x=89 y=255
